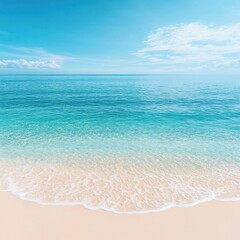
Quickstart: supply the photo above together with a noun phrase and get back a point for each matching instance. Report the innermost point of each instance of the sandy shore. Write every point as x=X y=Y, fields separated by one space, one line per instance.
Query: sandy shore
x=24 y=220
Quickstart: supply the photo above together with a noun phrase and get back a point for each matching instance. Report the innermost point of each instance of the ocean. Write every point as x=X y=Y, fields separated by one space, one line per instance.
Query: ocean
x=123 y=143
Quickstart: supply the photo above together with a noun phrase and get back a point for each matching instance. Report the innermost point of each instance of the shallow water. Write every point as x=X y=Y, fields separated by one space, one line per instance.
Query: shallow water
x=125 y=143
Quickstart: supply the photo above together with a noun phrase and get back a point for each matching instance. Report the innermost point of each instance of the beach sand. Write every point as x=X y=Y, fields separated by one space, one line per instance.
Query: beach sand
x=25 y=220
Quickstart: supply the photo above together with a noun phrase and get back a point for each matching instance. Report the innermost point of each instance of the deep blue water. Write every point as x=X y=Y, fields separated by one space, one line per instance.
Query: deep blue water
x=97 y=111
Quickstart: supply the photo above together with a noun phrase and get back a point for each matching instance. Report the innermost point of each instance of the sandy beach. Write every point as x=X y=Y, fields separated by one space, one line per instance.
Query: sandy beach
x=24 y=220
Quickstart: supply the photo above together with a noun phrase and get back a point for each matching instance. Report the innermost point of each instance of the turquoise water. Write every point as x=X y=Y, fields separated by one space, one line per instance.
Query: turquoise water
x=163 y=140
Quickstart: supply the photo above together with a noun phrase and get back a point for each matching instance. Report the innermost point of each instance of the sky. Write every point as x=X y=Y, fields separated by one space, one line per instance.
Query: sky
x=119 y=36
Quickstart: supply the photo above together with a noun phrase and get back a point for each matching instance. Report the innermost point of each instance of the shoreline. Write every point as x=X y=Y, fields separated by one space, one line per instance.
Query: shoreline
x=99 y=208
x=70 y=186
x=21 y=219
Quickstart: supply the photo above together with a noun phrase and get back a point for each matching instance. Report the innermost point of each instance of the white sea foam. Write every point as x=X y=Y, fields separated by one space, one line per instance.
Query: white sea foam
x=122 y=188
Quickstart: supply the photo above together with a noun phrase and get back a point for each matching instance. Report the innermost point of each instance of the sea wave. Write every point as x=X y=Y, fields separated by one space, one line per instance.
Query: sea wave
x=121 y=188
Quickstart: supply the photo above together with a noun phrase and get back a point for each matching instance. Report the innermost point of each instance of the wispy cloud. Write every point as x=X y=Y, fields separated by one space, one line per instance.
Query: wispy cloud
x=34 y=53
x=23 y=63
x=24 y=59
x=193 y=44
x=29 y=58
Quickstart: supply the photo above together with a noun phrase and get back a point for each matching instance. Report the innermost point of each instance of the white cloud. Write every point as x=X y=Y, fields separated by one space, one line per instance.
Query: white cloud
x=29 y=58
x=194 y=44
x=23 y=63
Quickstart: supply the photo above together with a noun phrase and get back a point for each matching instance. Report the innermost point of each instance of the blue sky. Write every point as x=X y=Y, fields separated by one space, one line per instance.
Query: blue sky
x=119 y=36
